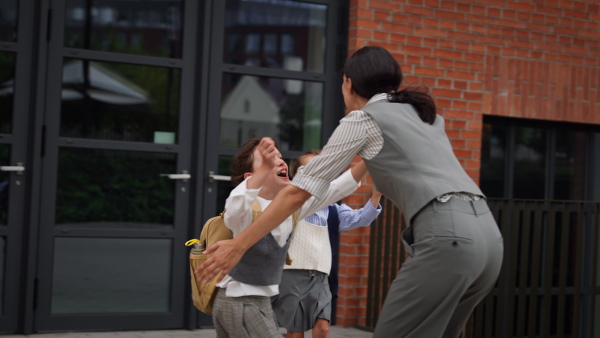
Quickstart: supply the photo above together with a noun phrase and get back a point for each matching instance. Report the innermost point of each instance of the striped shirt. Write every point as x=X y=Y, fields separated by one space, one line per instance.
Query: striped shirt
x=357 y=134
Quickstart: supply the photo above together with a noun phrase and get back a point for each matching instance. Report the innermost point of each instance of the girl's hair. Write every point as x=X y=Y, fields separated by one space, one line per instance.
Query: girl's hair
x=243 y=161
x=374 y=70
x=296 y=163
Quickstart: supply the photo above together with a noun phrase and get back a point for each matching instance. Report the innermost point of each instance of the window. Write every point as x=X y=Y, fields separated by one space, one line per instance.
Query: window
x=539 y=159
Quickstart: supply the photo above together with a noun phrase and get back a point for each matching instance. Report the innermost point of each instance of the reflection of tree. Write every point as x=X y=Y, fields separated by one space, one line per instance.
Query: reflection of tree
x=493 y=160
x=88 y=117
x=292 y=117
x=111 y=186
x=4 y=184
x=7 y=73
x=297 y=129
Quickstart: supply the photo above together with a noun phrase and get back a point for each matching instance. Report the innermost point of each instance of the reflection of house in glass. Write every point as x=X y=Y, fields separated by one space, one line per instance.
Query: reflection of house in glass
x=249 y=111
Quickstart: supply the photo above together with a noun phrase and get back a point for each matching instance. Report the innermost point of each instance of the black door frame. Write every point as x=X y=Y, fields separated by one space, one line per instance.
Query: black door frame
x=333 y=110
x=19 y=183
x=47 y=173
x=40 y=25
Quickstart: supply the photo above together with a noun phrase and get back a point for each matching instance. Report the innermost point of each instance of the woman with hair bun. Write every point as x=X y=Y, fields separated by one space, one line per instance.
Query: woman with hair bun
x=454 y=245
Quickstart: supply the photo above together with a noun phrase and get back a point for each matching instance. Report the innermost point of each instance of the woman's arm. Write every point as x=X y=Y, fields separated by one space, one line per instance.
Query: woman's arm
x=348 y=140
x=231 y=251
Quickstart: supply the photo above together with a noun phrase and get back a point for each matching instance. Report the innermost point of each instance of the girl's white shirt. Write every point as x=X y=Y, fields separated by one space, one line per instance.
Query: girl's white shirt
x=238 y=216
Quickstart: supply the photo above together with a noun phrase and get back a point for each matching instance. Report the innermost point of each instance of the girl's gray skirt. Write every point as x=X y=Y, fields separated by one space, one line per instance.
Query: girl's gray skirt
x=304 y=296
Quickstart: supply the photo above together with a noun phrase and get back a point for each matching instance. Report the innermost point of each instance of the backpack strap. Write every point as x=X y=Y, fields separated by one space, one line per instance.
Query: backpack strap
x=294 y=219
x=257 y=210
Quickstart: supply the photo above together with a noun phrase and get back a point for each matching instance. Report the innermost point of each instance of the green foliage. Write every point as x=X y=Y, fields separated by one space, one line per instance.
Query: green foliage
x=114 y=186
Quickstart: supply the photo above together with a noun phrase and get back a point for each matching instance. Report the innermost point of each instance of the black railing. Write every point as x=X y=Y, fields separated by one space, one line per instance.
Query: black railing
x=548 y=284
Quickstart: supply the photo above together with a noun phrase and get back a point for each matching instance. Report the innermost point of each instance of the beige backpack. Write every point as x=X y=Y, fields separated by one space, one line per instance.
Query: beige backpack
x=214 y=230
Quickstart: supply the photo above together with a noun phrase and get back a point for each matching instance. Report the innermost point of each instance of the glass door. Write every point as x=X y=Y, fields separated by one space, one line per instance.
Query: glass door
x=274 y=72
x=116 y=165
x=15 y=60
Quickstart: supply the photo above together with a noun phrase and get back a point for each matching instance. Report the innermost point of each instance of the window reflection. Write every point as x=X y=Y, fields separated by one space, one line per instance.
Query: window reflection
x=114 y=189
x=290 y=111
x=493 y=160
x=2 y=264
x=595 y=165
x=276 y=34
x=530 y=163
x=7 y=86
x=8 y=20
x=111 y=275
x=126 y=26
x=4 y=184
x=119 y=101
x=570 y=163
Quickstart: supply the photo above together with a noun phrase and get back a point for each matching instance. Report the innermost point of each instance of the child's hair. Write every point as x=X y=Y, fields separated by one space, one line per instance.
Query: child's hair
x=296 y=163
x=243 y=161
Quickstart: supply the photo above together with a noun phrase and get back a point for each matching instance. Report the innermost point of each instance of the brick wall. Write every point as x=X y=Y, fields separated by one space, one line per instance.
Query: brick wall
x=535 y=59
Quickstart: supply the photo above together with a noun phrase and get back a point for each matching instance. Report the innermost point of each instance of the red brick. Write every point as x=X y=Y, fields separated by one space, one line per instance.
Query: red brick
x=431 y=32
x=416 y=50
x=566 y=30
x=507 y=13
x=450 y=4
x=460 y=84
x=365 y=23
x=361 y=13
x=523 y=16
x=382 y=16
x=477 y=106
x=459 y=105
x=381 y=35
x=468 y=134
x=448 y=54
x=548 y=10
x=390 y=6
x=444 y=83
x=440 y=13
x=493 y=11
x=417 y=10
x=463 y=153
x=455 y=74
x=576 y=14
x=458 y=114
x=461 y=7
x=521 y=6
x=446 y=93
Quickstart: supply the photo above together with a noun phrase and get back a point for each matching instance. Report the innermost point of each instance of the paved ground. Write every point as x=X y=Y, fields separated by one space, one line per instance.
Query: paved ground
x=336 y=332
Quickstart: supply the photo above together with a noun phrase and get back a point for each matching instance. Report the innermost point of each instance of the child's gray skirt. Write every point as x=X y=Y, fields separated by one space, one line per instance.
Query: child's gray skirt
x=304 y=296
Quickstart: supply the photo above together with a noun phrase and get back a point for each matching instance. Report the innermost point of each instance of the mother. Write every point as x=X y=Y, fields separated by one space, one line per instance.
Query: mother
x=455 y=248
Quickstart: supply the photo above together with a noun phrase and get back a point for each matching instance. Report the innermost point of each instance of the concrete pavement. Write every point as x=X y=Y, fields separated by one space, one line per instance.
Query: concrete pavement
x=336 y=332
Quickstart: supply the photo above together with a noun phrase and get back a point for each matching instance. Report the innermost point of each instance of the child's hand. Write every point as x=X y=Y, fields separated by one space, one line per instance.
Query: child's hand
x=375 y=197
x=269 y=153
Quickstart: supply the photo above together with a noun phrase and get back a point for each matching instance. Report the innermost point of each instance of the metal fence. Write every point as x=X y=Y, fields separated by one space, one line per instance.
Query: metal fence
x=549 y=284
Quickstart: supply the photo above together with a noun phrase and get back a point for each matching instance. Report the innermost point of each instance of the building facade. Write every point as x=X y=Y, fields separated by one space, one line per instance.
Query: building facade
x=517 y=83
x=119 y=118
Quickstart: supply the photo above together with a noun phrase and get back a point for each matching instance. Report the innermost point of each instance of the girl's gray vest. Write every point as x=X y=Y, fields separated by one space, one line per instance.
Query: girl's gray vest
x=416 y=163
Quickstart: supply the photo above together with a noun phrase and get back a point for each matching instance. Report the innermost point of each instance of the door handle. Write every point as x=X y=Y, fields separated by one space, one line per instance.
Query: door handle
x=19 y=168
x=212 y=177
x=183 y=176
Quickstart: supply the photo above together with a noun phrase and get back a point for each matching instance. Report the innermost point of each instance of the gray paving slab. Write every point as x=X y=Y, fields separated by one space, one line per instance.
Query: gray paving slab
x=336 y=332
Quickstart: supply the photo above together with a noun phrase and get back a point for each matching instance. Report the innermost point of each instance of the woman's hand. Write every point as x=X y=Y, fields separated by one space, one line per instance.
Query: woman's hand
x=225 y=255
